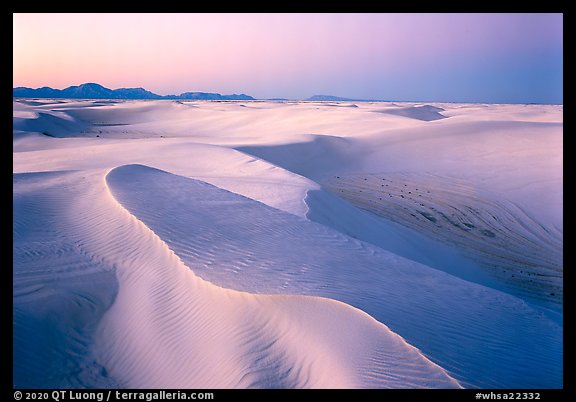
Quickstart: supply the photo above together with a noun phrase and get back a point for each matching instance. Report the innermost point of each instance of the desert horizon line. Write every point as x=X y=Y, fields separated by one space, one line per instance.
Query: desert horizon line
x=240 y=96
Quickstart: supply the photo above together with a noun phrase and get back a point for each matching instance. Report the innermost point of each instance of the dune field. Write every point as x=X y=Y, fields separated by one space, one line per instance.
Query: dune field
x=279 y=244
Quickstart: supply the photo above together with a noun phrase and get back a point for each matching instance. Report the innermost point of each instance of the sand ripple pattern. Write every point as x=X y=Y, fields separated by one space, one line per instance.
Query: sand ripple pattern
x=168 y=328
x=510 y=244
x=241 y=244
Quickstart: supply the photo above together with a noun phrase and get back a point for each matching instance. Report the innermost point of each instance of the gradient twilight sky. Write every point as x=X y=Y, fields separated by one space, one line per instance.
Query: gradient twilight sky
x=493 y=58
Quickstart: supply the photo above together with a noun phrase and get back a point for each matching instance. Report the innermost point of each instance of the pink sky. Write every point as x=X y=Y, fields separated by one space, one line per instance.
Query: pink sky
x=292 y=55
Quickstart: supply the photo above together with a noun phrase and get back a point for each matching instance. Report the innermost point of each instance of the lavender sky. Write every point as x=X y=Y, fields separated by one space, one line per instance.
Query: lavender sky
x=493 y=58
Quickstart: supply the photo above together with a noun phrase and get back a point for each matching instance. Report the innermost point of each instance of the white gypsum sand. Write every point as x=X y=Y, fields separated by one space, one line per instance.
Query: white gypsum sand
x=250 y=244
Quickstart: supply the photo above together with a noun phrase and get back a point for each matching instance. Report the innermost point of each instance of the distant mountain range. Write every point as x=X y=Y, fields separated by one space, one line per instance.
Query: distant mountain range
x=97 y=91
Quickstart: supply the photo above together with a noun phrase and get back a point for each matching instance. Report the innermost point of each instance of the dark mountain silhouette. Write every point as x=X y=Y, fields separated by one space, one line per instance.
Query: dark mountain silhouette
x=136 y=93
x=96 y=91
x=92 y=90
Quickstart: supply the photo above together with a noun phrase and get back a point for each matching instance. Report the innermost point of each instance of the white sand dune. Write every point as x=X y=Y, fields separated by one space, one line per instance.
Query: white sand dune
x=503 y=175
x=244 y=245
x=204 y=335
x=60 y=291
x=424 y=112
x=525 y=255
x=239 y=244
